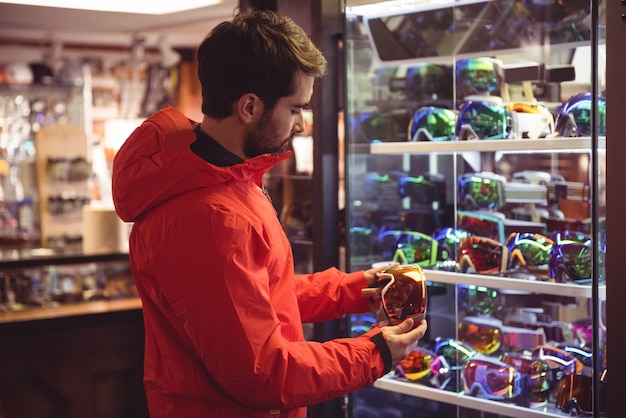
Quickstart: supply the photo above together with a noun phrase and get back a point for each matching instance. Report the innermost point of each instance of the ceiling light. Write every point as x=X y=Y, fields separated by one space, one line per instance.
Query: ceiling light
x=124 y=6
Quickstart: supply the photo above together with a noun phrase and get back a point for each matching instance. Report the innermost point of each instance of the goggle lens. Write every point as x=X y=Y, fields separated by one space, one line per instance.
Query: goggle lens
x=403 y=293
x=479 y=299
x=489 y=227
x=417 y=188
x=576 y=392
x=481 y=74
x=491 y=379
x=574 y=259
x=455 y=352
x=485 y=255
x=535 y=248
x=416 y=365
x=432 y=124
x=481 y=192
x=484 y=339
x=415 y=248
x=536 y=371
x=483 y=120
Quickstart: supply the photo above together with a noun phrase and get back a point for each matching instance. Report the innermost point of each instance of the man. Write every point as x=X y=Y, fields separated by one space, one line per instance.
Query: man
x=223 y=309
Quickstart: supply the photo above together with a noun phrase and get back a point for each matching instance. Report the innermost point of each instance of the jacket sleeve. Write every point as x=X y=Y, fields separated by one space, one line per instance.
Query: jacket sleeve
x=215 y=282
x=329 y=294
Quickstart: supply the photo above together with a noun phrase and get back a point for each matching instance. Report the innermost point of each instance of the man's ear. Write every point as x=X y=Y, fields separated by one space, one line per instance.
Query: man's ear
x=249 y=108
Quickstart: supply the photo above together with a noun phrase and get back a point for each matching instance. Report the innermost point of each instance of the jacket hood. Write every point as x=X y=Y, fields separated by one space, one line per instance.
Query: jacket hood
x=156 y=164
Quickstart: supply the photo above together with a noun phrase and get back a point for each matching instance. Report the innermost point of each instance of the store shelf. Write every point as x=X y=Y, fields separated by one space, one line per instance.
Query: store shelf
x=582 y=144
x=500 y=408
x=534 y=286
x=29 y=258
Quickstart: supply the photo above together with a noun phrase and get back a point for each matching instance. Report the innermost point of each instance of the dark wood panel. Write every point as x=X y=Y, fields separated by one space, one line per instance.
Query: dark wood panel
x=76 y=367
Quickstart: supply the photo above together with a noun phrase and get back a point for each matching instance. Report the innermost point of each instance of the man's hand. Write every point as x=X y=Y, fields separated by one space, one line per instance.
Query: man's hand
x=402 y=338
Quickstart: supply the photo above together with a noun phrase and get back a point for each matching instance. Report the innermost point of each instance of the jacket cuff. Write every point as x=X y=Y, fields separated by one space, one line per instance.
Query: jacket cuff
x=379 y=340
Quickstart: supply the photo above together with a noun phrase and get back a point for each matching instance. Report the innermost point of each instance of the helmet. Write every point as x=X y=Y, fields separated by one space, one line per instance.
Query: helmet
x=575 y=116
x=403 y=293
x=432 y=124
x=484 y=120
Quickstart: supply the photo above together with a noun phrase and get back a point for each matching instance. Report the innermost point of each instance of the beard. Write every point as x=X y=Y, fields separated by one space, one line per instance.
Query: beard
x=262 y=139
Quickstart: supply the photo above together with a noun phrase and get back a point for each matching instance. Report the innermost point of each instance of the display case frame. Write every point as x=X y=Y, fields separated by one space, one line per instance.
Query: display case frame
x=375 y=210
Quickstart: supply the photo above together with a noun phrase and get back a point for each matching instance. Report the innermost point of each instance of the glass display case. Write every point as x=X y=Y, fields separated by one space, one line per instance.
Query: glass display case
x=475 y=147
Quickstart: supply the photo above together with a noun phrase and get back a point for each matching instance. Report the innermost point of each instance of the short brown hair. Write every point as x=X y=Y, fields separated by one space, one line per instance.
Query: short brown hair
x=258 y=52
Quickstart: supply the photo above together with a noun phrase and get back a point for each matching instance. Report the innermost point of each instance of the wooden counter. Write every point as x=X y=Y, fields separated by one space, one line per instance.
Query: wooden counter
x=70 y=310
x=81 y=360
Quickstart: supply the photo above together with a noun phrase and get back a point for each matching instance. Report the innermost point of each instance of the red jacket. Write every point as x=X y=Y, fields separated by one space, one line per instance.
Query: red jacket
x=223 y=309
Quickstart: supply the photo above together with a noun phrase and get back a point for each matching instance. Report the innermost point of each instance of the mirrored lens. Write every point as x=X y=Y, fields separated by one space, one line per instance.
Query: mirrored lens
x=419 y=189
x=482 y=338
x=478 y=299
x=455 y=352
x=480 y=74
x=481 y=225
x=481 y=255
x=535 y=370
x=478 y=192
x=571 y=261
x=491 y=379
x=425 y=80
x=403 y=293
x=529 y=250
x=415 y=248
x=483 y=120
x=575 y=392
x=432 y=124
x=575 y=118
x=416 y=365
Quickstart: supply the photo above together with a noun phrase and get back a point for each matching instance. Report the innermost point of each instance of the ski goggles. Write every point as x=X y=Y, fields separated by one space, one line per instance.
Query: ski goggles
x=479 y=75
x=530 y=251
x=456 y=352
x=561 y=362
x=415 y=247
x=426 y=80
x=575 y=117
x=490 y=378
x=403 y=293
x=484 y=120
x=536 y=374
x=571 y=261
x=478 y=299
x=420 y=189
x=487 y=338
x=450 y=238
x=574 y=393
x=421 y=363
x=432 y=124
x=378 y=127
x=584 y=356
x=481 y=255
x=481 y=224
x=480 y=192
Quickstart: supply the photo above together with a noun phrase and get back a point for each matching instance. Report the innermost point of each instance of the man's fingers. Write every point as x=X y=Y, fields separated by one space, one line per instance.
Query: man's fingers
x=405 y=325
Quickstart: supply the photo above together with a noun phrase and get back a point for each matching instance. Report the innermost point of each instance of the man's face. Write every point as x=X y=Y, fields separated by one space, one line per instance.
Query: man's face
x=277 y=127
